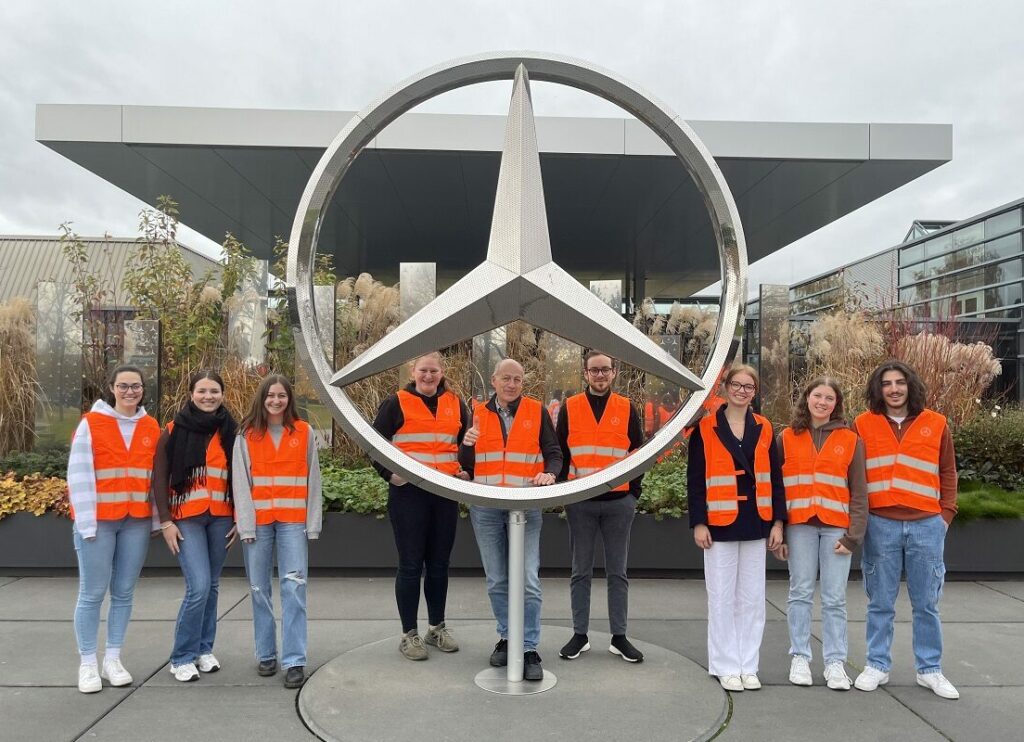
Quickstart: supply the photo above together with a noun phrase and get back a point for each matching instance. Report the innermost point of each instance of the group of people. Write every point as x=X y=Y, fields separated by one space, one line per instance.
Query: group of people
x=203 y=482
x=810 y=495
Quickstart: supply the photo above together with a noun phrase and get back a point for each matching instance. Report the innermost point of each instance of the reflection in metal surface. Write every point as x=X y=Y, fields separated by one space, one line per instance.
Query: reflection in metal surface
x=58 y=363
x=142 y=349
x=518 y=280
x=488 y=349
x=247 y=318
x=310 y=406
x=610 y=292
x=774 y=352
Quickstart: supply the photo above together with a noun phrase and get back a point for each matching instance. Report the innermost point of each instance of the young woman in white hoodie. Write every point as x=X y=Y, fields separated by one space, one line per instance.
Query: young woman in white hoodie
x=109 y=472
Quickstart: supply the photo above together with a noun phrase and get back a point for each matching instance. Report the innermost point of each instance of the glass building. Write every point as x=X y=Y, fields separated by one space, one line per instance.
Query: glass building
x=969 y=272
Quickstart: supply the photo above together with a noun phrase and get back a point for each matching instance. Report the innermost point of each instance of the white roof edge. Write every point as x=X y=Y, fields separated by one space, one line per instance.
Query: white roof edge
x=241 y=127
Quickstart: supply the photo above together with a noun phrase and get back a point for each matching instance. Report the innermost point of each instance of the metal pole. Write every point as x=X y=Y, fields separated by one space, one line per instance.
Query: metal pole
x=516 y=592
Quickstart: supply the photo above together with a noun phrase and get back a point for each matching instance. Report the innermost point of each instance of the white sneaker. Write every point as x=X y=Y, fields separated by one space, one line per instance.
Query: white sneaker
x=731 y=683
x=836 y=677
x=114 y=671
x=208 y=663
x=800 y=671
x=185 y=673
x=936 y=682
x=870 y=679
x=89 y=679
x=750 y=681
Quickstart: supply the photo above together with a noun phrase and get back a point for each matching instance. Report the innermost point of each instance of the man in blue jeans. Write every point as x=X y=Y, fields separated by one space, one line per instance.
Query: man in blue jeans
x=911 y=483
x=511 y=444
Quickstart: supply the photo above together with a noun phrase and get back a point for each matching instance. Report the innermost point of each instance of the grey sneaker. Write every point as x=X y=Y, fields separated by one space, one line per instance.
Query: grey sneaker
x=439 y=636
x=412 y=647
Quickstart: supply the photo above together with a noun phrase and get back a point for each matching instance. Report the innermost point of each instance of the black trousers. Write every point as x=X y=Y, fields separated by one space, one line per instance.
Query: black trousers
x=424 y=526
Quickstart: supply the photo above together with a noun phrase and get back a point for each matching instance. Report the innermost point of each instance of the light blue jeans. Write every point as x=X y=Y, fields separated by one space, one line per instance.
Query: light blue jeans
x=811 y=548
x=202 y=556
x=292 y=558
x=491 y=528
x=890 y=546
x=112 y=560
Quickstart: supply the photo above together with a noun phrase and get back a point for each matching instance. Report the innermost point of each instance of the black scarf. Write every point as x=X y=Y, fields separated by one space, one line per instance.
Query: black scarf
x=187 y=444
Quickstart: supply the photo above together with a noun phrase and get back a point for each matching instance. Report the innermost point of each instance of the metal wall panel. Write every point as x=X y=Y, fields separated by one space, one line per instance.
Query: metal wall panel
x=775 y=389
x=142 y=349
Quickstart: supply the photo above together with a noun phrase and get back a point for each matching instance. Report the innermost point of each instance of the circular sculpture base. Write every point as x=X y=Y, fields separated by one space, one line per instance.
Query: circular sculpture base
x=495 y=680
x=373 y=693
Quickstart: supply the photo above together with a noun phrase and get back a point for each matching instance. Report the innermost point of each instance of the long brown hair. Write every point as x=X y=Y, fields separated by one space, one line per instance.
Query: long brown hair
x=256 y=418
x=916 y=395
x=801 y=411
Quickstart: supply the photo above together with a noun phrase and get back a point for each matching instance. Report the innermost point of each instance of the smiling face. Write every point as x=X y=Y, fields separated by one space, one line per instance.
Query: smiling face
x=894 y=392
x=207 y=395
x=507 y=382
x=821 y=402
x=599 y=374
x=427 y=374
x=128 y=391
x=275 y=403
x=740 y=389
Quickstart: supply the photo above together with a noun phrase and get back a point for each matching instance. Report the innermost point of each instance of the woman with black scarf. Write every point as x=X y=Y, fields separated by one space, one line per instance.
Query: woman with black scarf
x=192 y=492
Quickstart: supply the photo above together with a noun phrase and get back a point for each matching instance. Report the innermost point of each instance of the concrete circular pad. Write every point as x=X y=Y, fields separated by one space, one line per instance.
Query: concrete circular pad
x=373 y=693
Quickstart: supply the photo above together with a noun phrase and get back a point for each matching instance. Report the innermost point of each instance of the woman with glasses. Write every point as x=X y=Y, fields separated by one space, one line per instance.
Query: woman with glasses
x=737 y=509
x=427 y=422
x=109 y=471
x=192 y=492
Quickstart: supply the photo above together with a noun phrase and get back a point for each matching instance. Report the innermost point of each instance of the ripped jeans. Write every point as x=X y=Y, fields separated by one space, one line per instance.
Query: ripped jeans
x=292 y=558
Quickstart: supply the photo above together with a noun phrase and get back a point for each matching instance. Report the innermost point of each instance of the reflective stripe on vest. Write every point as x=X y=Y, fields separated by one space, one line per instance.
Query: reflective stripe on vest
x=123 y=474
x=280 y=475
x=513 y=462
x=816 y=480
x=595 y=445
x=430 y=439
x=721 y=474
x=903 y=472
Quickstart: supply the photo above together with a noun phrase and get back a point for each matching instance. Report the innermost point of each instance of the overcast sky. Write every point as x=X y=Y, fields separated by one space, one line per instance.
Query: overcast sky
x=911 y=62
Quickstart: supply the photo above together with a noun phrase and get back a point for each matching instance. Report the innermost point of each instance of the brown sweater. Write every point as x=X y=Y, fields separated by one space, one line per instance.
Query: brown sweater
x=947 y=479
x=856 y=481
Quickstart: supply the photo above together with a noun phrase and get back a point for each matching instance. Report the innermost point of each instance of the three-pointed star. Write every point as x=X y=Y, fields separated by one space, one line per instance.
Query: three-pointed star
x=519 y=280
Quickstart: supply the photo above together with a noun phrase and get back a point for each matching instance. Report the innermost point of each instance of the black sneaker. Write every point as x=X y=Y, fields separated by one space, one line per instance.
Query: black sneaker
x=579 y=643
x=499 y=657
x=266 y=668
x=294 y=677
x=620 y=645
x=532 y=669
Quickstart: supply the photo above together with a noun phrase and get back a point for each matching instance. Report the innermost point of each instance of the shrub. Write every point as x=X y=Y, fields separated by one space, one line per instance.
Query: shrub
x=354 y=490
x=664 y=489
x=978 y=500
x=989 y=448
x=17 y=376
x=34 y=494
x=52 y=462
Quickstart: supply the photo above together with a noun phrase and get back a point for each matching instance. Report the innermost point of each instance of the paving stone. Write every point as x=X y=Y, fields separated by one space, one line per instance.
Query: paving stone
x=53 y=714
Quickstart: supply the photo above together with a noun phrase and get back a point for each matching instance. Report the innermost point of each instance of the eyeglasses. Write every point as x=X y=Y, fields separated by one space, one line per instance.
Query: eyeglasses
x=128 y=387
x=603 y=371
x=738 y=387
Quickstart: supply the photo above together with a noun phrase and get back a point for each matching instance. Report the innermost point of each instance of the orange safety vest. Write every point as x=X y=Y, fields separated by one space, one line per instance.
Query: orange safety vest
x=511 y=463
x=816 y=483
x=431 y=440
x=903 y=472
x=720 y=473
x=210 y=493
x=123 y=475
x=280 y=475
x=594 y=445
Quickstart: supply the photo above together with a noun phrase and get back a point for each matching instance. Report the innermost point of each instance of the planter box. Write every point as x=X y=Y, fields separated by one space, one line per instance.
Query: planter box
x=351 y=541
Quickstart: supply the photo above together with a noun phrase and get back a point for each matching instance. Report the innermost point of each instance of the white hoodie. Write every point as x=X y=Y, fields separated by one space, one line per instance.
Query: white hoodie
x=82 y=469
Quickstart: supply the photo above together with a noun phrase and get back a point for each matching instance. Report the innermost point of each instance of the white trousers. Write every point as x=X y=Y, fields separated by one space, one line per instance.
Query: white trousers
x=734 y=573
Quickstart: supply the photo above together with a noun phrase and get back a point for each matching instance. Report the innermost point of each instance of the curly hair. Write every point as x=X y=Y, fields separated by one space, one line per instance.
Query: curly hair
x=801 y=411
x=916 y=394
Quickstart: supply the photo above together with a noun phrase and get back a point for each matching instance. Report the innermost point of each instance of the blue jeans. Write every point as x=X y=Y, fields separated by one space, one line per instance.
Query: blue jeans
x=111 y=560
x=292 y=558
x=889 y=547
x=812 y=548
x=202 y=556
x=491 y=528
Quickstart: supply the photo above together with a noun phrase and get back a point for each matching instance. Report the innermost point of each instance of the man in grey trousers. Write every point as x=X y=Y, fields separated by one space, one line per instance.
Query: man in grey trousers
x=595 y=429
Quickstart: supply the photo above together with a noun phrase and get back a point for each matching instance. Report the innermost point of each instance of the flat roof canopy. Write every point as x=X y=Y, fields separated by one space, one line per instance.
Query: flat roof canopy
x=619 y=204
